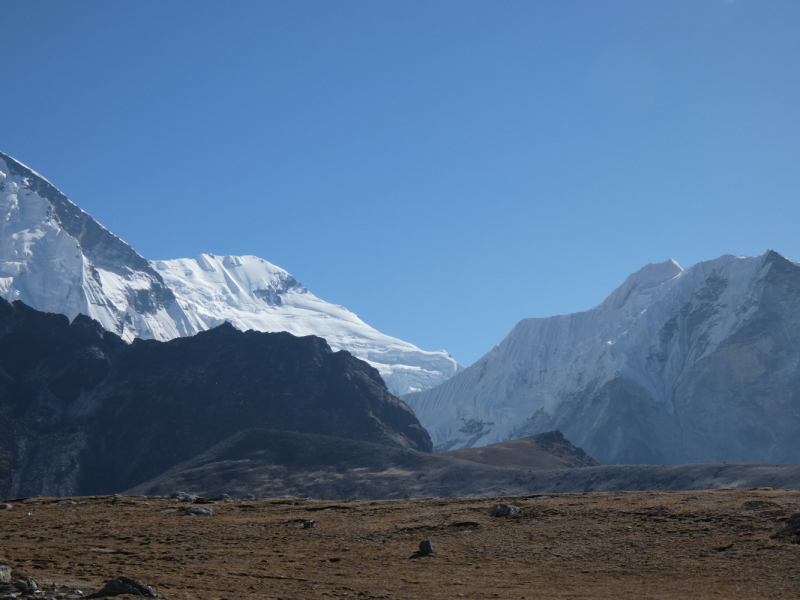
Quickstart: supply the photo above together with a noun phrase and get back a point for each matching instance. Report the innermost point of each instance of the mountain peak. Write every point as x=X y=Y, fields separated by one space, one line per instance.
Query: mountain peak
x=675 y=366
x=17 y=168
x=771 y=256
x=643 y=282
x=56 y=258
x=657 y=273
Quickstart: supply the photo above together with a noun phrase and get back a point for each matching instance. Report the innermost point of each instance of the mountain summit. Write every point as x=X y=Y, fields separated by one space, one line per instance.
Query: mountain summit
x=675 y=366
x=56 y=258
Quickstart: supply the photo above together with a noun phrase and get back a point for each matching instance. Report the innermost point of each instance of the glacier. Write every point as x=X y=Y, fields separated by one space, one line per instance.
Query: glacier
x=251 y=293
x=676 y=365
x=56 y=258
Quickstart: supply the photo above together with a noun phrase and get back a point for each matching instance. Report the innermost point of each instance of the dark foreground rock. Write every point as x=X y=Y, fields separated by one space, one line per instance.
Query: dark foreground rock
x=82 y=412
x=27 y=588
x=17 y=586
x=125 y=585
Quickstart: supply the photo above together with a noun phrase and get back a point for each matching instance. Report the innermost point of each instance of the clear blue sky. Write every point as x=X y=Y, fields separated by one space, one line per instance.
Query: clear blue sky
x=443 y=169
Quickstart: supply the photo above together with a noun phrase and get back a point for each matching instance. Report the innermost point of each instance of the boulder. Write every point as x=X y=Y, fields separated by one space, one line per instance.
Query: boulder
x=198 y=511
x=425 y=548
x=125 y=585
x=505 y=510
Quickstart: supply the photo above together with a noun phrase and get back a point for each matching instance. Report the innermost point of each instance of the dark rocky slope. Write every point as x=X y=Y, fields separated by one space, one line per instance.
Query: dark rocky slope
x=81 y=412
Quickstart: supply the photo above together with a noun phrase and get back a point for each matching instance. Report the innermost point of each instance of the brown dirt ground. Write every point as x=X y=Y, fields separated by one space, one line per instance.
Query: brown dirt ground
x=698 y=544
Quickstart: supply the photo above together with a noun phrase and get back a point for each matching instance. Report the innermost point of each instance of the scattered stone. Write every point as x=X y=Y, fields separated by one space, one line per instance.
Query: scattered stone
x=125 y=585
x=28 y=514
x=184 y=497
x=65 y=502
x=198 y=511
x=309 y=524
x=5 y=574
x=505 y=510
x=223 y=498
x=4 y=506
x=425 y=548
x=249 y=497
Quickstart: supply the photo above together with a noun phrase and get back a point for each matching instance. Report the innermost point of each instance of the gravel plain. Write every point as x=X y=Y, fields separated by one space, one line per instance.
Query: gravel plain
x=658 y=544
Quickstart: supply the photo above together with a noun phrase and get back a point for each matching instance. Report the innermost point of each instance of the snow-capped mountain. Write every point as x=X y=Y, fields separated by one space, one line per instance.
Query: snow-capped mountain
x=251 y=293
x=695 y=365
x=56 y=258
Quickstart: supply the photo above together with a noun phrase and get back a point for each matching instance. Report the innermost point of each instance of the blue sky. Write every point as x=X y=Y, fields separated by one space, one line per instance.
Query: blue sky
x=443 y=169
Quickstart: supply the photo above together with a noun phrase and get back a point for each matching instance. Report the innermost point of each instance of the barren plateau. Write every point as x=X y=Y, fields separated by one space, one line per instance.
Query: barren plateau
x=727 y=543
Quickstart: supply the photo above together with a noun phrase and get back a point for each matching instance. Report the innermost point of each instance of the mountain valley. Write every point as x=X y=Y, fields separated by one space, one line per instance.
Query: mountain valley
x=223 y=373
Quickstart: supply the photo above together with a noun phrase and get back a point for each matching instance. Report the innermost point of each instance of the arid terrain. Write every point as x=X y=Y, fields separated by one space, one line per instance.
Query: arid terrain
x=668 y=544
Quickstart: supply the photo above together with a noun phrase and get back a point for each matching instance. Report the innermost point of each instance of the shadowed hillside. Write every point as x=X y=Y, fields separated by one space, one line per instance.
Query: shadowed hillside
x=281 y=463
x=82 y=412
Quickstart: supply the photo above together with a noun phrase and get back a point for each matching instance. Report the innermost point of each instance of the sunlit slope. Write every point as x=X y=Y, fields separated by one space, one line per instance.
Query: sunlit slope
x=695 y=365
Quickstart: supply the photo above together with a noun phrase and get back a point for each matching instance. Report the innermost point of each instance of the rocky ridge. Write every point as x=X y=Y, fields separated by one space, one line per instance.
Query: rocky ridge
x=83 y=412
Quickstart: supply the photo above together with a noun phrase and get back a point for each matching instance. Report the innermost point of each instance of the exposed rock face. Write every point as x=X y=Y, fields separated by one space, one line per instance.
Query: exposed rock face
x=82 y=412
x=675 y=366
